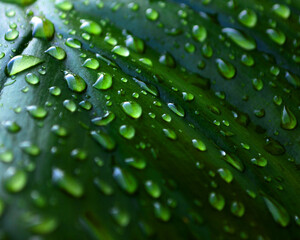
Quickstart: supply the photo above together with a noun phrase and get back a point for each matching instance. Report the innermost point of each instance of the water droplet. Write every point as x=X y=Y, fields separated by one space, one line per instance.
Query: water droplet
x=42 y=28
x=59 y=131
x=30 y=148
x=135 y=44
x=64 y=5
x=281 y=10
x=70 y=105
x=125 y=180
x=147 y=87
x=91 y=63
x=91 y=27
x=247 y=60
x=20 y=63
x=127 y=131
x=11 y=126
x=288 y=119
x=56 y=52
x=248 y=18
x=67 y=183
x=36 y=111
x=207 y=50
x=260 y=161
x=237 y=209
x=73 y=43
x=198 y=144
x=104 y=140
x=40 y=224
x=14 y=180
x=274 y=147
x=104 y=187
x=225 y=174
x=236 y=163
x=167 y=60
x=152 y=14
x=277 y=211
x=153 y=189
x=170 y=133
x=292 y=79
x=6 y=156
x=121 y=217
x=226 y=69
x=55 y=91
x=104 y=120
x=257 y=84
x=121 y=51
x=176 y=109
x=75 y=82
x=217 y=201
x=240 y=39
x=276 y=36
x=32 y=79
x=132 y=109
x=199 y=33
x=138 y=163
x=103 y=82
x=161 y=212
x=11 y=34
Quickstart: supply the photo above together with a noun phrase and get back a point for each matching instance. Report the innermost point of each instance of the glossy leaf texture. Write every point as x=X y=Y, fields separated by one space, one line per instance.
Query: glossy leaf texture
x=149 y=119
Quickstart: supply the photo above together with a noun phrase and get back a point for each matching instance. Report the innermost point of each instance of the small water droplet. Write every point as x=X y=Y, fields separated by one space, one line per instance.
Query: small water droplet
x=226 y=69
x=217 y=201
x=125 y=180
x=67 y=183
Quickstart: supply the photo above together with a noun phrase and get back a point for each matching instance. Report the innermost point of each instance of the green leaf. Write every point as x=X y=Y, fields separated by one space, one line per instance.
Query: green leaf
x=149 y=119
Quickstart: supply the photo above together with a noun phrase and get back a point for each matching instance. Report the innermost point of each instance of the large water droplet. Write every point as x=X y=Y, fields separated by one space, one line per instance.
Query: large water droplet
x=248 y=18
x=127 y=131
x=91 y=27
x=288 y=119
x=277 y=211
x=64 y=5
x=75 y=82
x=121 y=51
x=104 y=81
x=240 y=39
x=36 y=111
x=11 y=34
x=132 y=109
x=199 y=33
x=276 y=36
x=42 y=28
x=14 y=180
x=20 y=63
x=281 y=10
